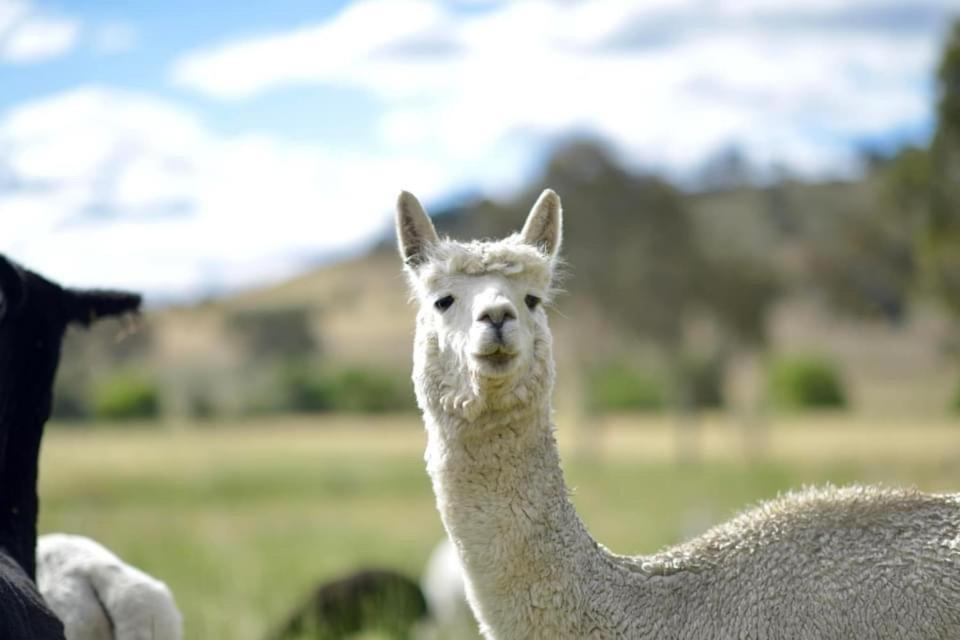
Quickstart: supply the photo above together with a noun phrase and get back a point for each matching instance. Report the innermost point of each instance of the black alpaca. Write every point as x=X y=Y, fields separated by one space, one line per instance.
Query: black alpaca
x=34 y=315
x=368 y=600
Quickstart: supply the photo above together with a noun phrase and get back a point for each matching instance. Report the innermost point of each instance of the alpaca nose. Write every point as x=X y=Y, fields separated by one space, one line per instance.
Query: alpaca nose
x=497 y=314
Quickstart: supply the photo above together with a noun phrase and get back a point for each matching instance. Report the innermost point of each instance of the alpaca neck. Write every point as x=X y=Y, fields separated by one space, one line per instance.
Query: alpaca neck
x=26 y=380
x=502 y=498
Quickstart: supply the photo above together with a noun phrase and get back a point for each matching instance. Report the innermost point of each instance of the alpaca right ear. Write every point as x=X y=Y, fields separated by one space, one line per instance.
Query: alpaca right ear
x=12 y=287
x=415 y=232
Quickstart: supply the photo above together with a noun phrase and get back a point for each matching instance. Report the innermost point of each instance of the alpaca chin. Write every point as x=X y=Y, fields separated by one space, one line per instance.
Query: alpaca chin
x=496 y=367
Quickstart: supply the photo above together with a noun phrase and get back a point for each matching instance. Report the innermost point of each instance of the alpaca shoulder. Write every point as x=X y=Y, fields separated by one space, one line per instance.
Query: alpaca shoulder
x=818 y=522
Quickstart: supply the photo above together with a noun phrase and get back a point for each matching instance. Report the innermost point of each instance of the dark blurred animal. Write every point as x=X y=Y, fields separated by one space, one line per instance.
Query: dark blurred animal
x=368 y=600
x=34 y=316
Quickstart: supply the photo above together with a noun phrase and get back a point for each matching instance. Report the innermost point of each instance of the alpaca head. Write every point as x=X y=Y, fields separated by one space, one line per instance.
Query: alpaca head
x=35 y=313
x=482 y=337
x=26 y=296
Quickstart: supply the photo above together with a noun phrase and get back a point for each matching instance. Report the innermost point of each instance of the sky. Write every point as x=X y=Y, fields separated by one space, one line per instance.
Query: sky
x=184 y=148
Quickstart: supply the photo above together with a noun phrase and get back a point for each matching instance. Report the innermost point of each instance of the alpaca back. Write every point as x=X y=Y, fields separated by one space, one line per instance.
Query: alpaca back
x=824 y=563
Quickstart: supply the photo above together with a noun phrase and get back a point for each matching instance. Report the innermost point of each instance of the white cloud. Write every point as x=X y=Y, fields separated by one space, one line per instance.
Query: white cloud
x=308 y=54
x=120 y=189
x=11 y=12
x=668 y=80
x=103 y=187
x=28 y=34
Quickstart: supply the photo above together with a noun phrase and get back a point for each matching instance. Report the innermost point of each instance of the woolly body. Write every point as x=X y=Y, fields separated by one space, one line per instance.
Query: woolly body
x=825 y=564
x=99 y=597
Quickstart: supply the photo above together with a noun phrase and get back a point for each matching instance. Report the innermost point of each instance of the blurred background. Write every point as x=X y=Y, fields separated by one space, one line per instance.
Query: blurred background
x=762 y=240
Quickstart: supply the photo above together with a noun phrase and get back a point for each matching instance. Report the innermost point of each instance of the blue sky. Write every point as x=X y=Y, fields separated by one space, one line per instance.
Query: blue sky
x=185 y=147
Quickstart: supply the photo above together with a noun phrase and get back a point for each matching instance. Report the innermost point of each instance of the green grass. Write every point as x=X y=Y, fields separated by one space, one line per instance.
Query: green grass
x=242 y=521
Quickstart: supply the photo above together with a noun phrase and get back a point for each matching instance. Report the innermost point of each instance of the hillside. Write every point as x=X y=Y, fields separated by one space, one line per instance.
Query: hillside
x=356 y=313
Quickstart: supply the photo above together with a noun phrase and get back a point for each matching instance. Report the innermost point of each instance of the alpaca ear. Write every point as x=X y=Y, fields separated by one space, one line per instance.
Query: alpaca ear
x=544 y=224
x=12 y=287
x=415 y=232
x=86 y=306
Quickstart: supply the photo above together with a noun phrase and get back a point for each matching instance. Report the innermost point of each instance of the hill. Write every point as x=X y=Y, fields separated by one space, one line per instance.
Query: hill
x=356 y=313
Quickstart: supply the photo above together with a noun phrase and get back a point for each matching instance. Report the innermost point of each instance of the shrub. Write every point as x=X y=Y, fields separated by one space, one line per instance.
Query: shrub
x=616 y=387
x=126 y=396
x=303 y=389
x=806 y=383
x=366 y=391
x=354 y=390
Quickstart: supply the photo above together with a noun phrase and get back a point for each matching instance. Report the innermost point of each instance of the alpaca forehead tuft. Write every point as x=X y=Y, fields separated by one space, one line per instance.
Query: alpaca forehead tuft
x=510 y=257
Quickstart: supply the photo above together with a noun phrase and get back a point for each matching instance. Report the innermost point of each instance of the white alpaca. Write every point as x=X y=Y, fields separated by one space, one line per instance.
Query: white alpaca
x=98 y=597
x=826 y=564
x=443 y=588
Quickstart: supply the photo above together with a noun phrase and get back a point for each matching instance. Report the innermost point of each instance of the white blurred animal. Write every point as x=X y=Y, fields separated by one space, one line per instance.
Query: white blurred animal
x=99 y=597
x=442 y=586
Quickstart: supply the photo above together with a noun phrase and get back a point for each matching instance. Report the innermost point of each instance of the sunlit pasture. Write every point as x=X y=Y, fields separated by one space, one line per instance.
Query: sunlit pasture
x=242 y=519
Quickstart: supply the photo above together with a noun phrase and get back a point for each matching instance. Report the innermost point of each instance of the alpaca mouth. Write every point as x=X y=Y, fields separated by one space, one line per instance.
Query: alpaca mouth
x=498 y=360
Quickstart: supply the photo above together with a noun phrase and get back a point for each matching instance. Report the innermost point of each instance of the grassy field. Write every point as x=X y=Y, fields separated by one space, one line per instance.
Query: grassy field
x=242 y=520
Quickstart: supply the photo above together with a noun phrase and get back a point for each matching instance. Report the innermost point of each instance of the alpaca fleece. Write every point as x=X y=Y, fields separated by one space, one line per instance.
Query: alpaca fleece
x=825 y=564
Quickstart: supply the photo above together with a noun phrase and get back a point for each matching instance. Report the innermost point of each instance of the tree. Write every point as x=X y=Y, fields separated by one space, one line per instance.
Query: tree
x=863 y=260
x=632 y=243
x=941 y=247
x=924 y=184
x=636 y=254
x=633 y=251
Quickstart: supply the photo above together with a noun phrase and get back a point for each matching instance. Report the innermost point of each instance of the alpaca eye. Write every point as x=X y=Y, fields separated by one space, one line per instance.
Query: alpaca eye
x=444 y=303
x=532 y=302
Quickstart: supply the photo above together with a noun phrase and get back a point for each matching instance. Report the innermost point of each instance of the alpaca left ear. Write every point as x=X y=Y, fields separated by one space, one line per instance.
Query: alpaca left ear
x=544 y=224
x=86 y=306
